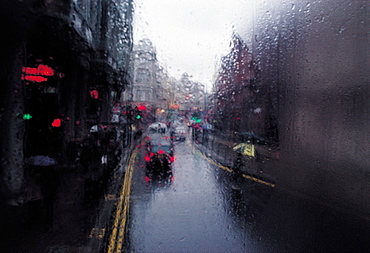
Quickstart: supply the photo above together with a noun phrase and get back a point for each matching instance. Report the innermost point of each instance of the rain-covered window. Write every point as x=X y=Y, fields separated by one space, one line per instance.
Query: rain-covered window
x=184 y=126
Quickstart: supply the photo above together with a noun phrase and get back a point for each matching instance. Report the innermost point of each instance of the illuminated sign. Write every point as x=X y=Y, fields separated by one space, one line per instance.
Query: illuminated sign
x=41 y=70
x=39 y=74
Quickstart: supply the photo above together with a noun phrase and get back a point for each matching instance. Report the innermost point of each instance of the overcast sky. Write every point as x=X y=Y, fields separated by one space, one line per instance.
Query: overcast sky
x=190 y=35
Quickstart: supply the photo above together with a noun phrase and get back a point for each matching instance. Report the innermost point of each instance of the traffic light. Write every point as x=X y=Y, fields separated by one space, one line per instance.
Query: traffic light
x=138 y=115
x=26 y=116
x=57 y=123
x=196 y=119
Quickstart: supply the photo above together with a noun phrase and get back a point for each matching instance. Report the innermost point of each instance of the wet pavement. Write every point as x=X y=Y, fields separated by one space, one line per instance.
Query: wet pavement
x=80 y=215
x=206 y=209
x=185 y=215
x=68 y=231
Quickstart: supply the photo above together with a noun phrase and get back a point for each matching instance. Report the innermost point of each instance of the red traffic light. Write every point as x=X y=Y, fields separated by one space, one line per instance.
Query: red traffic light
x=57 y=123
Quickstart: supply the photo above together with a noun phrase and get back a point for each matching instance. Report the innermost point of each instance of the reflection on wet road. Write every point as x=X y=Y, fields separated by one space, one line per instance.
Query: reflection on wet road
x=204 y=209
x=191 y=214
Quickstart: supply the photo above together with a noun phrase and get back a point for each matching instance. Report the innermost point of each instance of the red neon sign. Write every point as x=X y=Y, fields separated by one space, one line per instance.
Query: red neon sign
x=38 y=74
x=37 y=79
x=41 y=70
x=45 y=70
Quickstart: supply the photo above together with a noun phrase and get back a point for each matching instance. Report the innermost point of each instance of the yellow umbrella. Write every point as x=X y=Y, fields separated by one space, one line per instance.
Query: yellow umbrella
x=245 y=149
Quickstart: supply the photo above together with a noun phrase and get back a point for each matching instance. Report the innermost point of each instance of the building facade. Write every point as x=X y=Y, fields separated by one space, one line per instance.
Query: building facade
x=64 y=65
x=152 y=87
x=241 y=102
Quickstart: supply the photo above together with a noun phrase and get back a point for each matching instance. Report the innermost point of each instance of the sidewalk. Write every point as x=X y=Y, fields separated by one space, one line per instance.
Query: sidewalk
x=77 y=226
x=99 y=233
x=219 y=147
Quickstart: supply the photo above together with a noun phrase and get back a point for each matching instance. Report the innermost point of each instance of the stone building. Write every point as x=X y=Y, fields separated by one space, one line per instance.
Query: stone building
x=144 y=63
x=152 y=87
x=190 y=95
x=241 y=104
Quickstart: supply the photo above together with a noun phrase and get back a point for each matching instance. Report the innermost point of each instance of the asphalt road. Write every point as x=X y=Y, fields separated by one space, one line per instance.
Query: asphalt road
x=206 y=208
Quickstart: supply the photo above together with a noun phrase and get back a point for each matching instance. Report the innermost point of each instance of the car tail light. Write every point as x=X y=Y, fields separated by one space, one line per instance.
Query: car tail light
x=172 y=159
x=147 y=158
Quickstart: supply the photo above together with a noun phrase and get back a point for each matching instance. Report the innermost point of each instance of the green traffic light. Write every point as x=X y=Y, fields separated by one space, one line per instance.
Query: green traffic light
x=138 y=117
x=27 y=116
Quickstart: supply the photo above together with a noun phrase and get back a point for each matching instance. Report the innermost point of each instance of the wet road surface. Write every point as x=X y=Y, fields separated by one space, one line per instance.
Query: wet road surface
x=204 y=210
x=185 y=215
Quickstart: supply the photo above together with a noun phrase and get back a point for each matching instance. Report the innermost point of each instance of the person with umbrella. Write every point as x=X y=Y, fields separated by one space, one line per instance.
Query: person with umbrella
x=245 y=148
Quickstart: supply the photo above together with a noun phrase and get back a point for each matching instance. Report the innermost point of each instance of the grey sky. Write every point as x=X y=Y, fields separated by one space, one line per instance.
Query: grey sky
x=190 y=35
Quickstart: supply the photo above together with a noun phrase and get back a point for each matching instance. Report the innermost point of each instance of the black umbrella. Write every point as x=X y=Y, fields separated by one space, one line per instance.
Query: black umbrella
x=41 y=160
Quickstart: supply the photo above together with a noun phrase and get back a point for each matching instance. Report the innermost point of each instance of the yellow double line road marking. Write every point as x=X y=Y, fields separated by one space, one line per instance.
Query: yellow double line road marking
x=118 y=231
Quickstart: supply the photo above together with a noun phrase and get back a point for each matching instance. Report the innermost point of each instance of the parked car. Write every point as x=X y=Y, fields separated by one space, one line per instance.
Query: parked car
x=157 y=127
x=179 y=133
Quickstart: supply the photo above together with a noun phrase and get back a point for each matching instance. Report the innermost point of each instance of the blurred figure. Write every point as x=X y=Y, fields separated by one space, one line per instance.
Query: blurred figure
x=237 y=172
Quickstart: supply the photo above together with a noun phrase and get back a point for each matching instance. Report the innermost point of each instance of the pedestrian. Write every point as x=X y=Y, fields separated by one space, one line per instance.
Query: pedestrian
x=237 y=172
